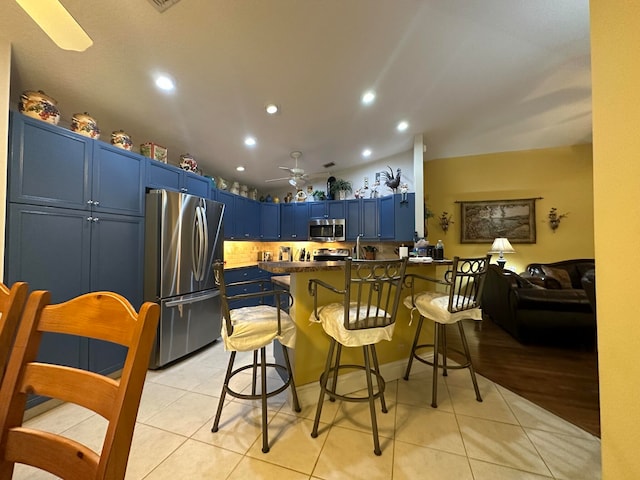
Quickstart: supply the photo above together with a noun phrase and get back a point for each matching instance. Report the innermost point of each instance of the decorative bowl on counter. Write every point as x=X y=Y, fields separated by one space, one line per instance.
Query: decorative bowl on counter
x=188 y=163
x=121 y=139
x=39 y=105
x=85 y=124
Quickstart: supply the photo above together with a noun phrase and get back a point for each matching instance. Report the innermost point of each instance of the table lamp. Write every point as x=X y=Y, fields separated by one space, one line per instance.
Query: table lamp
x=501 y=246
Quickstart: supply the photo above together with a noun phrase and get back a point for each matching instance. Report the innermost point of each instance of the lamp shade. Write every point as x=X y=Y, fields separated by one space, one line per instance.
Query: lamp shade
x=501 y=245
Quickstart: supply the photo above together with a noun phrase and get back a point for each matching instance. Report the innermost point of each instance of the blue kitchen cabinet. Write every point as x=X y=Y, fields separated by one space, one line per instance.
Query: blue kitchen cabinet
x=386 y=218
x=247 y=218
x=228 y=220
x=327 y=209
x=70 y=253
x=404 y=217
x=75 y=224
x=269 y=221
x=369 y=218
x=244 y=274
x=362 y=219
x=352 y=219
x=294 y=221
x=117 y=180
x=169 y=177
x=241 y=216
x=52 y=166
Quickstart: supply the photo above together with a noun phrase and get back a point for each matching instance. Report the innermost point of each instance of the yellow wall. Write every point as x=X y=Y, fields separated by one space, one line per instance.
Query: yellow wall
x=561 y=176
x=615 y=54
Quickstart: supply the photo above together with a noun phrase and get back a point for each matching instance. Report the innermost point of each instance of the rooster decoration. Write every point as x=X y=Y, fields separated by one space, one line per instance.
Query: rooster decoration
x=391 y=181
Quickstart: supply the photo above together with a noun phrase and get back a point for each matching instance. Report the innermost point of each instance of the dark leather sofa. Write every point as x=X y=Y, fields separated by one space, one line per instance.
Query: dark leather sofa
x=545 y=304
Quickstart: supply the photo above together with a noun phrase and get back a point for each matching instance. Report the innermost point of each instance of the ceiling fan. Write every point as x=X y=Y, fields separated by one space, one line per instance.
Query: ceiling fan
x=297 y=177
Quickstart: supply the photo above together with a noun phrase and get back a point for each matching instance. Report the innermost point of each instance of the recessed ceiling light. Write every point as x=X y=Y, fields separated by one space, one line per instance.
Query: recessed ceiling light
x=366 y=153
x=402 y=126
x=240 y=168
x=250 y=141
x=272 y=109
x=164 y=82
x=368 y=97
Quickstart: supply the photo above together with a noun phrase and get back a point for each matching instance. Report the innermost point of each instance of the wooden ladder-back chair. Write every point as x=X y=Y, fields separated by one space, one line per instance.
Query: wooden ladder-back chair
x=11 y=304
x=100 y=315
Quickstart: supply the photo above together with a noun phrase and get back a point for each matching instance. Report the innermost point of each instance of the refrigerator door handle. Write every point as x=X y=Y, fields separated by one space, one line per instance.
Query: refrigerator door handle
x=187 y=299
x=199 y=247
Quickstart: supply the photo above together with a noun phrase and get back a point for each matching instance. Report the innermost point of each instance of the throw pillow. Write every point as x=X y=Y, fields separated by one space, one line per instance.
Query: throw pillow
x=558 y=274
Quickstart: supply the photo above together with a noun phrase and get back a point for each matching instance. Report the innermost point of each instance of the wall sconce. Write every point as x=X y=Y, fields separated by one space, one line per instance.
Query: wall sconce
x=554 y=218
x=445 y=221
x=501 y=246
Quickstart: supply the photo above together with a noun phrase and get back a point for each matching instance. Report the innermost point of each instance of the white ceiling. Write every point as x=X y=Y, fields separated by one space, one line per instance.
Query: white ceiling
x=471 y=76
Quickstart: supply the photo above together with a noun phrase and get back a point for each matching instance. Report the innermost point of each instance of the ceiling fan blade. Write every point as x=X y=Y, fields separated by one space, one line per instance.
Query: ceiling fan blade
x=277 y=179
x=285 y=168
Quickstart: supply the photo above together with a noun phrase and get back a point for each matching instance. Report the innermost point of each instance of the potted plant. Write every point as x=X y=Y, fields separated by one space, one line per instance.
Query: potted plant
x=342 y=187
x=369 y=252
x=318 y=195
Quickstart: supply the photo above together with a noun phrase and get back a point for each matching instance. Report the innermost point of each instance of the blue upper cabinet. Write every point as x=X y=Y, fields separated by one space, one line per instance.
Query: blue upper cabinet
x=404 y=214
x=327 y=209
x=48 y=165
x=118 y=180
x=169 y=177
x=387 y=218
x=269 y=221
x=294 y=221
x=53 y=166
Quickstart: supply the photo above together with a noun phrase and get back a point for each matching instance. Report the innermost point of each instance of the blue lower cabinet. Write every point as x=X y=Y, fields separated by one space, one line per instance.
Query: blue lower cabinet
x=80 y=252
x=244 y=274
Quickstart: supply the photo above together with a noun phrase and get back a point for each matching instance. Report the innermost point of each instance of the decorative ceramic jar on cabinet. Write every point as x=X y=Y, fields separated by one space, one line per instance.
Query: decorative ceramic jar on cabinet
x=188 y=163
x=85 y=124
x=121 y=140
x=39 y=105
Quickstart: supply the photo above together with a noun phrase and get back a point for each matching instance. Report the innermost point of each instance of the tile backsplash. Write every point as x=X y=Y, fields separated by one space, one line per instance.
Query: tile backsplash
x=239 y=254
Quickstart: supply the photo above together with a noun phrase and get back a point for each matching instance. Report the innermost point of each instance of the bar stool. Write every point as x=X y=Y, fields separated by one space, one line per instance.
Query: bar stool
x=365 y=316
x=464 y=284
x=252 y=328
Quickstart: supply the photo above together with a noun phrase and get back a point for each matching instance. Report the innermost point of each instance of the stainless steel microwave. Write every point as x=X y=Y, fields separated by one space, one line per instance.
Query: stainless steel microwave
x=327 y=230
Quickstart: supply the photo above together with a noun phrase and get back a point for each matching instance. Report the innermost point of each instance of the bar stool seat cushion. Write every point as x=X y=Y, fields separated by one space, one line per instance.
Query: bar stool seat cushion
x=434 y=305
x=256 y=327
x=332 y=320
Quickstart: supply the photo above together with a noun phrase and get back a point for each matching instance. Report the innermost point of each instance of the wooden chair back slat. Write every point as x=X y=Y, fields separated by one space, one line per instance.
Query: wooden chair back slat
x=100 y=315
x=11 y=304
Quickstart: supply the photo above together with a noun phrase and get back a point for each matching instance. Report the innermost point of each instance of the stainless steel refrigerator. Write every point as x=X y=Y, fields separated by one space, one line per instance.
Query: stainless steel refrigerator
x=183 y=237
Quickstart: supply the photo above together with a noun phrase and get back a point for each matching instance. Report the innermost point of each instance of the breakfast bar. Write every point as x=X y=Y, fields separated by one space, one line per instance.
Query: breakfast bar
x=309 y=356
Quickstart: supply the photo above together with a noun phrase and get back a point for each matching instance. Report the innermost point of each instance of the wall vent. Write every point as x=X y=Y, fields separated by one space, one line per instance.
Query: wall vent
x=162 y=5
x=329 y=165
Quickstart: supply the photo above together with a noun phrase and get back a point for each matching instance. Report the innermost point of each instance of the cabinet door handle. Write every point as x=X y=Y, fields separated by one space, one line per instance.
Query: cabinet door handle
x=89 y=219
x=95 y=219
x=89 y=202
x=96 y=203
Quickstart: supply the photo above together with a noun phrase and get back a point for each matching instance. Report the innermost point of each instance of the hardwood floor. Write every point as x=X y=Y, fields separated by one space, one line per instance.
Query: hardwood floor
x=561 y=379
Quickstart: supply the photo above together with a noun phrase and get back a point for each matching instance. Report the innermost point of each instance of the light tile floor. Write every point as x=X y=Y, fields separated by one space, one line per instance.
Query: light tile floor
x=503 y=438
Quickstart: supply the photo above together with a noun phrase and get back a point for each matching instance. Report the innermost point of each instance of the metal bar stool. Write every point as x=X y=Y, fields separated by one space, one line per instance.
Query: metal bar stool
x=365 y=316
x=252 y=328
x=464 y=283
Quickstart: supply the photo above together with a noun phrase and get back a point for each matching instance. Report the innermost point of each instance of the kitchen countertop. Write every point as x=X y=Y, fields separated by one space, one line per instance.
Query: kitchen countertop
x=294 y=267
x=299 y=267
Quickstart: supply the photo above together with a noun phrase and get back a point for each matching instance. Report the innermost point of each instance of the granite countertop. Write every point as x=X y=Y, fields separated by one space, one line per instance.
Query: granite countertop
x=297 y=267
x=284 y=280
x=293 y=267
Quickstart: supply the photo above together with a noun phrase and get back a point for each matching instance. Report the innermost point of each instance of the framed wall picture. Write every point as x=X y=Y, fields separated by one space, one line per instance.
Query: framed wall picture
x=484 y=221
